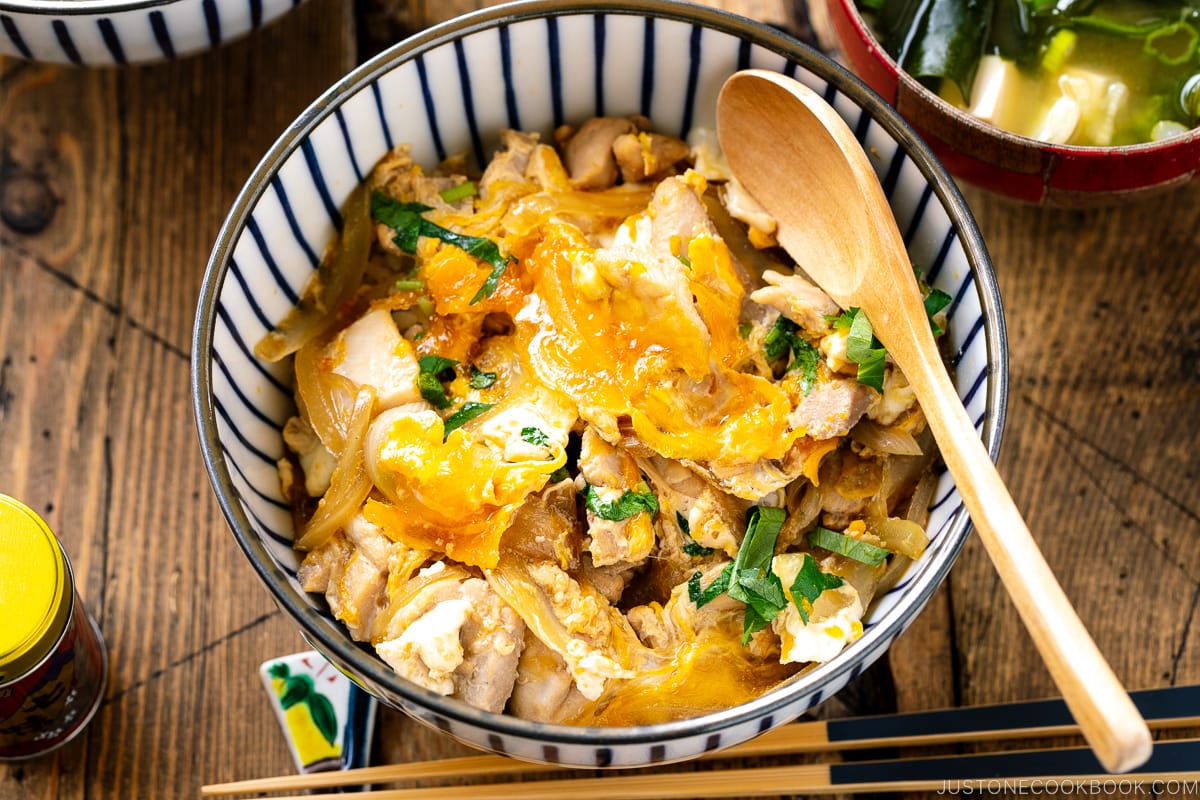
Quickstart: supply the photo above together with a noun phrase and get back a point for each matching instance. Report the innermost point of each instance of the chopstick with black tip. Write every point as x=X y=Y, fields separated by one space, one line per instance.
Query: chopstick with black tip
x=1172 y=767
x=1173 y=707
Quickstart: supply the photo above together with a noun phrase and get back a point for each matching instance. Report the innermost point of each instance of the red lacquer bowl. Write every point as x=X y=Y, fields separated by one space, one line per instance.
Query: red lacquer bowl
x=1013 y=166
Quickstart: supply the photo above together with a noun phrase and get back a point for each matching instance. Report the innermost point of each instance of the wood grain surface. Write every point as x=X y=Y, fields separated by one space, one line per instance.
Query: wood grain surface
x=113 y=184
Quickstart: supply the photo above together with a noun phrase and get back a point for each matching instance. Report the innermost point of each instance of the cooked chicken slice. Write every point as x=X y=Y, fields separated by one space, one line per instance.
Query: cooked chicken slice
x=712 y=518
x=644 y=155
x=508 y=165
x=546 y=527
x=798 y=300
x=832 y=407
x=457 y=639
x=545 y=690
x=371 y=352
x=611 y=473
x=316 y=462
x=351 y=569
x=589 y=152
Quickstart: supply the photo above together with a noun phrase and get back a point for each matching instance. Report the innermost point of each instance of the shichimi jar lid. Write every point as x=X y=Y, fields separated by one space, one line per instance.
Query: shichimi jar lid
x=35 y=589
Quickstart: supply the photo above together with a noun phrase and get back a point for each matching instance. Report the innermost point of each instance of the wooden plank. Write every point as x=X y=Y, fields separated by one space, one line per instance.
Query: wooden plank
x=96 y=431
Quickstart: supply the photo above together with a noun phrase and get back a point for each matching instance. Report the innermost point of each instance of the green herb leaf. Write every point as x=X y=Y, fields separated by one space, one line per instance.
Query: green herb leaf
x=752 y=581
x=687 y=262
x=778 y=340
x=806 y=357
x=809 y=584
x=784 y=338
x=467 y=412
x=428 y=381
x=744 y=329
x=535 y=436
x=559 y=474
x=481 y=380
x=702 y=596
x=406 y=220
x=864 y=349
x=847 y=546
x=690 y=546
x=459 y=192
x=623 y=507
x=435 y=365
x=935 y=301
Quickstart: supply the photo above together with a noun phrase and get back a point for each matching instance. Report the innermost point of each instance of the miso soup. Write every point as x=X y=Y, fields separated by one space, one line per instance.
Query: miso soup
x=1079 y=72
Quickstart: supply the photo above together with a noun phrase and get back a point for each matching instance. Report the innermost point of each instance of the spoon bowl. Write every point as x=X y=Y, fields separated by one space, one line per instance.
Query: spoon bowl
x=797 y=157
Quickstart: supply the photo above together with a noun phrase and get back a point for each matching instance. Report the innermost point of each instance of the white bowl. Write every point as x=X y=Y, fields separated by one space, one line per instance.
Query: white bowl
x=120 y=32
x=532 y=66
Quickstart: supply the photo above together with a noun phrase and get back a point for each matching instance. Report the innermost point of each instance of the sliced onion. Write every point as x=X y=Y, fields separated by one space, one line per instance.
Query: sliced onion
x=350 y=484
x=890 y=440
x=902 y=536
x=333 y=283
x=327 y=398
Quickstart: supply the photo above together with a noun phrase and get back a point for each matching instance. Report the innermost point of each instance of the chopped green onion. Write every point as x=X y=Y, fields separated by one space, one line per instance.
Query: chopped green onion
x=408 y=285
x=459 y=192
x=429 y=381
x=481 y=380
x=847 y=546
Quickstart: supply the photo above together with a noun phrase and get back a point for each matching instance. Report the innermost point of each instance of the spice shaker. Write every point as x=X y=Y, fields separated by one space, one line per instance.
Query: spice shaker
x=53 y=663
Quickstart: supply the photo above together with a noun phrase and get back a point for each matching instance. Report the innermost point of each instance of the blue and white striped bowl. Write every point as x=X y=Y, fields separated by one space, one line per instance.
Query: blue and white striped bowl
x=533 y=66
x=99 y=33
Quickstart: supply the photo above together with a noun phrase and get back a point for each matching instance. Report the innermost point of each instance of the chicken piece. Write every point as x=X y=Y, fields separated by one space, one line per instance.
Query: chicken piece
x=546 y=527
x=798 y=300
x=508 y=165
x=611 y=473
x=831 y=408
x=589 y=152
x=371 y=352
x=677 y=622
x=544 y=691
x=459 y=639
x=351 y=569
x=610 y=580
x=646 y=154
x=316 y=462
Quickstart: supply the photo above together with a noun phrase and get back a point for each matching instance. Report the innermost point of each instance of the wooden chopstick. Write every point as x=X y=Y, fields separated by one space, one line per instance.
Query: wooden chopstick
x=1173 y=707
x=1019 y=771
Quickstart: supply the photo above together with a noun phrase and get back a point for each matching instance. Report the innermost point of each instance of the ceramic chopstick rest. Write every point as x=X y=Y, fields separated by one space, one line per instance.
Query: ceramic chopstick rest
x=328 y=721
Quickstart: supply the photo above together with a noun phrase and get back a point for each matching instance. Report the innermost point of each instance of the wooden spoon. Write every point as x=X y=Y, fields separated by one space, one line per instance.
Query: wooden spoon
x=797 y=157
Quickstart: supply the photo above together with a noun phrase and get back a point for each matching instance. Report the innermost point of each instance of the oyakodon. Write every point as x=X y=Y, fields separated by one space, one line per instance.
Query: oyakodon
x=575 y=441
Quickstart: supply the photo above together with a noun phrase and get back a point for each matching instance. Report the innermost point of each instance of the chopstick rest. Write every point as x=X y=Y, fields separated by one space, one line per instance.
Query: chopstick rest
x=328 y=721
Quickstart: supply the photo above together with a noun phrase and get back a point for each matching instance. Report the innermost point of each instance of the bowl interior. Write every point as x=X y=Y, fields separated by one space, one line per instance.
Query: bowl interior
x=534 y=66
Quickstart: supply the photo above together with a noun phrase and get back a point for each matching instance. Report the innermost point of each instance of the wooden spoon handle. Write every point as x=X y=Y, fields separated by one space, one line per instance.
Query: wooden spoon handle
x=1106 y=715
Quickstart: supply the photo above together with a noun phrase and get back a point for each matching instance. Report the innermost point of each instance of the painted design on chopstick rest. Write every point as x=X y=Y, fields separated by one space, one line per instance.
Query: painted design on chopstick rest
x=327 y=720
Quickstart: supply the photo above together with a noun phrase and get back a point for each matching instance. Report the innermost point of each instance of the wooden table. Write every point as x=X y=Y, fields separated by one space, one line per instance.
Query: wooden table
x=112 y=187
